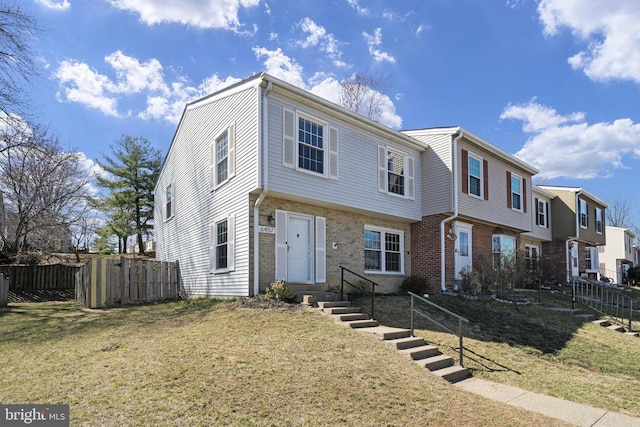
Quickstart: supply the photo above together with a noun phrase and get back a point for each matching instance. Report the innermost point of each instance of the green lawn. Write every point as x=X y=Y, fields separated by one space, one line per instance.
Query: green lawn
x=207 y=363
x=532 y=347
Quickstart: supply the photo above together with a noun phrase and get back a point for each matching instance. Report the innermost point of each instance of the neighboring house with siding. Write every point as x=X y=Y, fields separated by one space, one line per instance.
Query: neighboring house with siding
x=618 y=255
x=535 y=244
x=475 y=205
x=265 y=181
x=578 y=230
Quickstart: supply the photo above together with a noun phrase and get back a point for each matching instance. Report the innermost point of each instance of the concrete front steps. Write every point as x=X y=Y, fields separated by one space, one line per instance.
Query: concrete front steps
x=591 y=318
x=414 y=348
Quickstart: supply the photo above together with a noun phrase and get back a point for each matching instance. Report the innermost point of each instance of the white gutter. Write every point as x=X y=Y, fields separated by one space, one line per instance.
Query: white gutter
x=454 y=149
x=262 y=183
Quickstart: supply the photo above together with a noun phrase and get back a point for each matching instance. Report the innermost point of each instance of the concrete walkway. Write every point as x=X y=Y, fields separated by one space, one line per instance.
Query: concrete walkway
x=553 y=407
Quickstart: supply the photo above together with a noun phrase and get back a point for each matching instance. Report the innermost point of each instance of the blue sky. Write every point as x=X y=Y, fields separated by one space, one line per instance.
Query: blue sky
x=555 y=82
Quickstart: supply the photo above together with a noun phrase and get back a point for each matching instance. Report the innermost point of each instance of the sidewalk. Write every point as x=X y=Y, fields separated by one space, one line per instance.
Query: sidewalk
x=553 y=407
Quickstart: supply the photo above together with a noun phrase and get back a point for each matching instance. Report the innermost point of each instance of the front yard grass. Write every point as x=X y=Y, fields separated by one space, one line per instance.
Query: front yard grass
x=206 y=363
x=532 y=347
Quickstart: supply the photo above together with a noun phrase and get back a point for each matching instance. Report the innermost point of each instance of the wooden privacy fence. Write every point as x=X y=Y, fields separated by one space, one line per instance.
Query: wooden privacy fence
x=39 y=277
x=4 y=291
x=109 y=282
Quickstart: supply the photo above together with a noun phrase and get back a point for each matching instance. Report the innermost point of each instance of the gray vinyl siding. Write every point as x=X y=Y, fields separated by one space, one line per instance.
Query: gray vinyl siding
x=185 y=237
x=494 y=210
x=356 y=187
x=538 y=232
x=437 y=177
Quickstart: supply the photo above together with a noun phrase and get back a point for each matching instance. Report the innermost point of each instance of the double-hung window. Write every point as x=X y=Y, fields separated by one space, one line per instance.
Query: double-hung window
x=584 y=213
x=598 y=220
x=222 y=163
x=169 y=201
x=311 y=145
x=531 y=255
x=475 y=176
x=383 y=249
x=516 y=192
x=542 y=211
x=395 y=172
x=591 y=258
x=504 y=250
x=221 y=245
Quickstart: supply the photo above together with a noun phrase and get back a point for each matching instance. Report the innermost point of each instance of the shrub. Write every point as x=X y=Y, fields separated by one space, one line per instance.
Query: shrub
x=416 y=284
x=279 y=290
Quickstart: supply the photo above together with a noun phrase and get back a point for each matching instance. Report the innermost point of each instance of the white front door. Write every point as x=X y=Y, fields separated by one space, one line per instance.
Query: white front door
x=574 y=260
x=299 y=248
x=462 y=249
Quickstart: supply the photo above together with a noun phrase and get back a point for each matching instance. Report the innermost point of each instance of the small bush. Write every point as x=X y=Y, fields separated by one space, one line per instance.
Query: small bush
x=279 y=290
x=416 y=284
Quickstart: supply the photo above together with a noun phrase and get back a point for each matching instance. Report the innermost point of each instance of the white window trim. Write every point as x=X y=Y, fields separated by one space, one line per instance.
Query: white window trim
x=519 y=178
x=545 y=213
x=382 y=232
x=502 y=252
x=173 y=201
x=585 y=213
x=325 y=143
x=231 y=157
x=408 y=172
x=230 y=245
x=595 y=259
x=481 y=184
x=598 y=219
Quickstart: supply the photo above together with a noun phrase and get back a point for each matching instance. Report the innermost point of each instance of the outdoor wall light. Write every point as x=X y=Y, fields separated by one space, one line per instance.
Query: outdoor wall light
x=271 y=219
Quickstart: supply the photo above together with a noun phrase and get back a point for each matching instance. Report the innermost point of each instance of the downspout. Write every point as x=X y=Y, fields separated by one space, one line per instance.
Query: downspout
x=568 y=259
x=262 y=180
x=454 y=167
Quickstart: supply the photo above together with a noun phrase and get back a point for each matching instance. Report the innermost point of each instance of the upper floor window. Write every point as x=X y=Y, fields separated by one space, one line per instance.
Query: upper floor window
x=504 y=250
x=222 y=163
x=583 y=213
x=396 y=172
x=542 y=213
x=598 y=220
x=169 y=201
x=516 y=192
x=383 y=250
x=309 y=144
x=475 y=176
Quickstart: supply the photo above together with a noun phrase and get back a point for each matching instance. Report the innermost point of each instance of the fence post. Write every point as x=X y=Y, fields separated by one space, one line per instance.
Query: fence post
x=4 y=291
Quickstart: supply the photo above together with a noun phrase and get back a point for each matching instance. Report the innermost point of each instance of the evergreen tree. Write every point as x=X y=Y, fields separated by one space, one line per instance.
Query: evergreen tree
x=133 y=172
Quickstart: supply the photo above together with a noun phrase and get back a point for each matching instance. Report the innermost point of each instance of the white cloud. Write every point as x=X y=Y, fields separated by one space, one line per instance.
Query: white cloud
x=361 y=10
x=609 y=28
x=569 y=146
x=52 y=4
x=199 y=13
x=165 y=101
x=324 y=85
x=317 y=35
x=375 y=40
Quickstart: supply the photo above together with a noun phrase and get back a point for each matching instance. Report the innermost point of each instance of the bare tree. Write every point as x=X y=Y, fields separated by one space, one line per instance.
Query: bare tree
x=17 y=59
x=619 y=213
x=362 y=93
x=45 y=191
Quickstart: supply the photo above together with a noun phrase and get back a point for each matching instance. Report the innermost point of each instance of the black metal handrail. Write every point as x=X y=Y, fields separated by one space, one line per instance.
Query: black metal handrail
x=603 y=298
x=459 y=334
x=363 y=291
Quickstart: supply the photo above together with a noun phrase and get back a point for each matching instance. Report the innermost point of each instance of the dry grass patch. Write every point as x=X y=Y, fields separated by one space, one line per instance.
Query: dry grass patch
x=216 y=363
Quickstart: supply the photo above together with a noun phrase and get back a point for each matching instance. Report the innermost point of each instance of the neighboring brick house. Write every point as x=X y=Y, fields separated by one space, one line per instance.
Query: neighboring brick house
x=578 y=229
x=475 y=205
x=618 y=255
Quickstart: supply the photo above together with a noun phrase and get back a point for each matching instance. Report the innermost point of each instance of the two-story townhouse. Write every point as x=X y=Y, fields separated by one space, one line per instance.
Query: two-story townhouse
x=266 y=181
x=535 y=243
x=578 y=229
x=617 y=256
x=475 y=205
